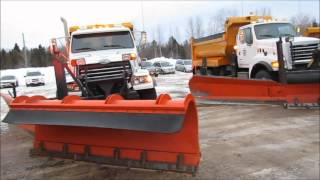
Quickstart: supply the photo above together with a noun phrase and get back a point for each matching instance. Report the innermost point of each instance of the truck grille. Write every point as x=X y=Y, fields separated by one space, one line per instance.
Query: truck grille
x=104 y=72
x=302 y=54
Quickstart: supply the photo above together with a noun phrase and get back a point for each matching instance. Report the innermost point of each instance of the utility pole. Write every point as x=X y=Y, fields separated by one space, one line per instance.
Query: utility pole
x=142 y=16
x=24 y=52
x=241 y=7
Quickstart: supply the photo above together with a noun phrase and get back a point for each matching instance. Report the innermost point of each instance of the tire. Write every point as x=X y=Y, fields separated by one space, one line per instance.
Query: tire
x=148 y=94
x=263 y=74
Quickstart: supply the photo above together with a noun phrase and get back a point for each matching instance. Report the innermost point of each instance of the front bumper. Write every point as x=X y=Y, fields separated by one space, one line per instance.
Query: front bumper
x=6 y=85
x=303 y=76
x=35 y=82
x=143 y=86
x=167 y=71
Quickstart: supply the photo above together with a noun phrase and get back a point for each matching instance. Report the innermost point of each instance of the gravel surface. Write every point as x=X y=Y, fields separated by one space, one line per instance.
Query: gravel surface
x=237 y=142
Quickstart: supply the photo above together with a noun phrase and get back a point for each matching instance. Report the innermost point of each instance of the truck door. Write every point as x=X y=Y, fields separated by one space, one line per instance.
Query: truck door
x=246 y=50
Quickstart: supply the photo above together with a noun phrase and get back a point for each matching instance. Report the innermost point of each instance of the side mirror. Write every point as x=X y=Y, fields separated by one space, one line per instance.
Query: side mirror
x=24 y=76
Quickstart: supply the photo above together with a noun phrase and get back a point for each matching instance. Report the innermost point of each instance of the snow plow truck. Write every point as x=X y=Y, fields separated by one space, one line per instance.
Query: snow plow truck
x=257 y=59
x=118 y=119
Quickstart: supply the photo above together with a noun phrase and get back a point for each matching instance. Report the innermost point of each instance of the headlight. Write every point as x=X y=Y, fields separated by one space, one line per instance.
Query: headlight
x=127 y=57
x=275 y=64
x=142 y=79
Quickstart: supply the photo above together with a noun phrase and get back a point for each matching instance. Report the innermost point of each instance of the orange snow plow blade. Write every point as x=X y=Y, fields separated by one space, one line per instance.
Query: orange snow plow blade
x=159 y=134
x=28 y=127
x=242 y=90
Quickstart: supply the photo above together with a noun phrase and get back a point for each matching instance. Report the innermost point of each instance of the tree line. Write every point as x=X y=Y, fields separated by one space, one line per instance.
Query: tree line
x=171 y=48
x=34 y=57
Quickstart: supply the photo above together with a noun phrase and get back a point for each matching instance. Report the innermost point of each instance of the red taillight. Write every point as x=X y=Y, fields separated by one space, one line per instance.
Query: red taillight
x=127 y=57
x=77 y=62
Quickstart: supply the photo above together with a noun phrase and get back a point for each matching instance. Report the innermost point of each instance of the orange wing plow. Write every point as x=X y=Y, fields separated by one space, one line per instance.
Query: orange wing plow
x=157 y=134
x=242 y=90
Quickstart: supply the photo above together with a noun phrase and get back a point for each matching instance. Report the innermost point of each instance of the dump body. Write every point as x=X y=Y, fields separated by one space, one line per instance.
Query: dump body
x=312 y=32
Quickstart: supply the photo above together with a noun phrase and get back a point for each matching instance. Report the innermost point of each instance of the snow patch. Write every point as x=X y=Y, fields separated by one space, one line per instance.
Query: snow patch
x=20 y=73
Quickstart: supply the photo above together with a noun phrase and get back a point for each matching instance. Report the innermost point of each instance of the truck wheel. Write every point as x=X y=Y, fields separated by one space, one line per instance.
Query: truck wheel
x=148 y=94
x=263 y=74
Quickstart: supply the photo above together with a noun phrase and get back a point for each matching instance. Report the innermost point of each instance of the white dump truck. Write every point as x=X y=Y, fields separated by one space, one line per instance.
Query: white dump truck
x=104 y=59
x=248 y=47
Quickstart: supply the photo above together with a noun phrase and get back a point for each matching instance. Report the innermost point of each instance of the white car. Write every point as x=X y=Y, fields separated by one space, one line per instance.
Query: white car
x=8 y=81
x=184 y=65
x=164 y=67
x=34 y=78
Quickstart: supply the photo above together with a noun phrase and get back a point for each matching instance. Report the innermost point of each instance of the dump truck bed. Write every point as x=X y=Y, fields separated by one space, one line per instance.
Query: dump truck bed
x=217 y=49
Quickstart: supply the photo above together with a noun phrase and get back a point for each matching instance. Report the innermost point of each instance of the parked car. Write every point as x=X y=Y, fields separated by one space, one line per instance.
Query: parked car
x=149 y=66
x=34 y=78
x=184 y=65
x=8 y=81
x=164 y=67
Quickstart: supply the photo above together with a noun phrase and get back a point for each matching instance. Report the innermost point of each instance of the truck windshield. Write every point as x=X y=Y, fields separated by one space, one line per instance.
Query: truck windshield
x=187 y=62
x=101 y=41
x=274 y=30
x=146 y=64
x=7 y=77
x=165 y=64
x=33 y=73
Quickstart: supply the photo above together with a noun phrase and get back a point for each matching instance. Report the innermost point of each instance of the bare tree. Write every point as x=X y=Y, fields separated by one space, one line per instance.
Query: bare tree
x=190 y=28
x=154 y=45
x=216 y=22
x=159 y=37
x=177 y=36
x=198 y=27
x=263 y=12
x=302 y=21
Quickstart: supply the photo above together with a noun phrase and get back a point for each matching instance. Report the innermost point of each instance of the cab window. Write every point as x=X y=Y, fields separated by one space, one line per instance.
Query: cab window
x=248 y=36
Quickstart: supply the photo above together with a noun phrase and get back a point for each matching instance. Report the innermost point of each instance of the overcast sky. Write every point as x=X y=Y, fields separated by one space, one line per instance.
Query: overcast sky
x=40 y=20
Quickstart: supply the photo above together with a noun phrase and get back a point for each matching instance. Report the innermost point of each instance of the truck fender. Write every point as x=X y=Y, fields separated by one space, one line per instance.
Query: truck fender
x=260 y=65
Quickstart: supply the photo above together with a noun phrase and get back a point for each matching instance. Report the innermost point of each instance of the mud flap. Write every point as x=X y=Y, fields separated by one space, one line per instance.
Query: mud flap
x=227 y=89
x=159 y=134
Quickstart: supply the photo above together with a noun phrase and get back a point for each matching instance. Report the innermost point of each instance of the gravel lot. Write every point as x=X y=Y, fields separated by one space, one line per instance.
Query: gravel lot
x=237 y=142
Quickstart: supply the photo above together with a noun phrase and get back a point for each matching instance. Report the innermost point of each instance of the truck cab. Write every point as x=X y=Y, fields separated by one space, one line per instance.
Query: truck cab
x=257 y=51
x=105 y=59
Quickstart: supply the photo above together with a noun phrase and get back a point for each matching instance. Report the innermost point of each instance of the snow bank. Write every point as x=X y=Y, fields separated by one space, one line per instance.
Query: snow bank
x=20 y=73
